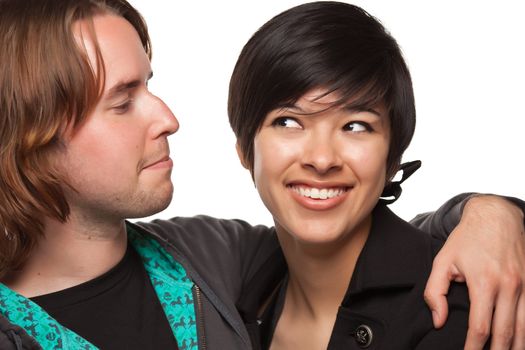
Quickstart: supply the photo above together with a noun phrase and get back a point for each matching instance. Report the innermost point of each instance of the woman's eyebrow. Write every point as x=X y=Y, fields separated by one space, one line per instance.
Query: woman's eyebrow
x=350 y=108
x=289 y=107
x=356 y=109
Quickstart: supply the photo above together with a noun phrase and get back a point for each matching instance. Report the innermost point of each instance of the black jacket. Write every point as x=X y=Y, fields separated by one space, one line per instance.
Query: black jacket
x=225 y=258
x=383 y=307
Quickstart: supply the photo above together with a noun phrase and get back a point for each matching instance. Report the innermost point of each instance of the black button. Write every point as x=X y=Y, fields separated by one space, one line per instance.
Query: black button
x=363 y=336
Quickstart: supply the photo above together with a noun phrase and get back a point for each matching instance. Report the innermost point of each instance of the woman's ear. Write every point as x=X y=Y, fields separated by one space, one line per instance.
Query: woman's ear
x=392 y=172
x=240 y=154
x=393 y=189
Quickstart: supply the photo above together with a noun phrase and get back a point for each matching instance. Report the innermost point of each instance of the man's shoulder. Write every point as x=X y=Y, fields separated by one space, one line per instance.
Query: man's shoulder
x=11 y=335
x=201 y=225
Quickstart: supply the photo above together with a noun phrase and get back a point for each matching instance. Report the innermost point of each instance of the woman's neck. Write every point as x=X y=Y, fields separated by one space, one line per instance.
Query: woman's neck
x=319 y=276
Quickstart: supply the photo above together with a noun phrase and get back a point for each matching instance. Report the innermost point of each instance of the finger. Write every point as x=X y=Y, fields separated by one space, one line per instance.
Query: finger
x=436 y=293
x=519 y=330
x=503 y=323
x=480 y=316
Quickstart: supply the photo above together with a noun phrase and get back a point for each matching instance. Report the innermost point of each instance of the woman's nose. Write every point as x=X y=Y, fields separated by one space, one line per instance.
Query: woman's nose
x=321 y=154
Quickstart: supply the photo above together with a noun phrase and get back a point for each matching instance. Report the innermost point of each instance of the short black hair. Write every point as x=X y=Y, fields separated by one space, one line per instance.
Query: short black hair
x=331 y=45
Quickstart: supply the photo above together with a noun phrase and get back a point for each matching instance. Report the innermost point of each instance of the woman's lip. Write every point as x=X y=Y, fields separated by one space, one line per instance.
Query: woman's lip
x=318 y=204
x=161 y=164
x=318 y=184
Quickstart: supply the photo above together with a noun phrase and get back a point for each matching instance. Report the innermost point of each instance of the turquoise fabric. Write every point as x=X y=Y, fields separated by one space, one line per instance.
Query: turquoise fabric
x=37 y=323
x=173 y=288
x=169 y=279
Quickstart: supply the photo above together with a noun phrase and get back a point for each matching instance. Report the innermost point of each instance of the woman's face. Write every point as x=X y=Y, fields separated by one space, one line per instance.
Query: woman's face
x=320 y=170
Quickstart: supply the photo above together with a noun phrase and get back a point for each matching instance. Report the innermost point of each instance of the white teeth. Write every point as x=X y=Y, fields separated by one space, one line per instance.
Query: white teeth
x=316 y=193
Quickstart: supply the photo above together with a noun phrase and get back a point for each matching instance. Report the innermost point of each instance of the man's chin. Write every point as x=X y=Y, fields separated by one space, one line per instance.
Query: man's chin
x=151 y=204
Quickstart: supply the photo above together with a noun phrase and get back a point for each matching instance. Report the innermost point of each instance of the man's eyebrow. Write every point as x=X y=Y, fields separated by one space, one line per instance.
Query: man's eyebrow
x=123 y=86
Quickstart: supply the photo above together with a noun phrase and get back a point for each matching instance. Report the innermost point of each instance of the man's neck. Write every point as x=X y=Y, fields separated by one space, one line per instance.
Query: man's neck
x=69 y=254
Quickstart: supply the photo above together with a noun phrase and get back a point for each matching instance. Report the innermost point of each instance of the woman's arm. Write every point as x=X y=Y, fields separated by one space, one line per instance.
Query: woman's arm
x=487 y=251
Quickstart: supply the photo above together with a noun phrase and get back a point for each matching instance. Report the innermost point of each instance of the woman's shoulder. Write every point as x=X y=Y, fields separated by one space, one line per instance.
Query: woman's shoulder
x=391 y=277
x=453 y=334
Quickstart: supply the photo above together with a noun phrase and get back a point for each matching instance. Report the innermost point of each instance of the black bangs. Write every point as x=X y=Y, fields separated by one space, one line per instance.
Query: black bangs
x=300 y=52
x=332 y=46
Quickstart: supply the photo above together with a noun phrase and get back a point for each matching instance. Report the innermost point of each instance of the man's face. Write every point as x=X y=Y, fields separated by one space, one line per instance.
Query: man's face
x=117 y=161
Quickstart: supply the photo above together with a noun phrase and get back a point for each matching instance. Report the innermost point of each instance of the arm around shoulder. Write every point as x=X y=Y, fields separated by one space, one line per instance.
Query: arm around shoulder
x=453 y=335
x=235 y=245
x=442 y=222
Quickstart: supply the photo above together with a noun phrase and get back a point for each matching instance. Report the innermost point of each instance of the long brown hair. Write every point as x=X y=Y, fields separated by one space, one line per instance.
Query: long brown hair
x=46 y=84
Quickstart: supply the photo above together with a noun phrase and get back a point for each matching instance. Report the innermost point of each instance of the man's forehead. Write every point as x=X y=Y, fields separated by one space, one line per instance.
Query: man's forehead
x=85 y=37
x=111 y=40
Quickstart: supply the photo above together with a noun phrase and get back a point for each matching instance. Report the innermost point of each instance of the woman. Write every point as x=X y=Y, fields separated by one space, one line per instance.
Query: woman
x=321 y=102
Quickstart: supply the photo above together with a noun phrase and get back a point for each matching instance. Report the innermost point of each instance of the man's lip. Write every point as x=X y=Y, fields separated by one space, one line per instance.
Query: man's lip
x=164 y=162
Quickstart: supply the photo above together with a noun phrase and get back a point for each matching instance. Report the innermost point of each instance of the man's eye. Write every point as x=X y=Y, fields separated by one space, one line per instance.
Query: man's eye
x=357 y=127
x=286 y=122
x=123 y=108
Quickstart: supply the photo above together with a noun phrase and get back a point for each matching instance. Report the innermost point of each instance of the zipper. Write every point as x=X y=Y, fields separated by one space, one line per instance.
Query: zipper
x=16 y=339
x=200 y=316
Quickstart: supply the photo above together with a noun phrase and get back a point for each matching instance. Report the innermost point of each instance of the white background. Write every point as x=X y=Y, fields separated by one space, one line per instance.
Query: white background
x=467 y=62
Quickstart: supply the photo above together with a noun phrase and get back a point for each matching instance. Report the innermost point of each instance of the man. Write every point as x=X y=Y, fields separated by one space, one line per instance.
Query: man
x=83 y=146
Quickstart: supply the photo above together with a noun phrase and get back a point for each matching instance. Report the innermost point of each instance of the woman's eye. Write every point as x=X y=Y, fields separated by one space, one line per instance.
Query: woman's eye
x=286 y=122
x=357 y=127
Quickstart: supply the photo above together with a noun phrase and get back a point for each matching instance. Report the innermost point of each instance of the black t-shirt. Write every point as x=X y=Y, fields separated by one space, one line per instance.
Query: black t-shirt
x=118 y=310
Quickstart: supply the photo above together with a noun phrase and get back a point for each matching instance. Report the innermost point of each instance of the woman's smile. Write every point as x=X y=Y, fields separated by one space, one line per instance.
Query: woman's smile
x=317 y=197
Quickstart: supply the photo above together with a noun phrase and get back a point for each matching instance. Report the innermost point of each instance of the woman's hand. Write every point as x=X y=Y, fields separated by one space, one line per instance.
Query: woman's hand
x=487 y=251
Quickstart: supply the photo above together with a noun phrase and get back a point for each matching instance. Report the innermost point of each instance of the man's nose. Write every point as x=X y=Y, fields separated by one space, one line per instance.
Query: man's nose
x=167 y=123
